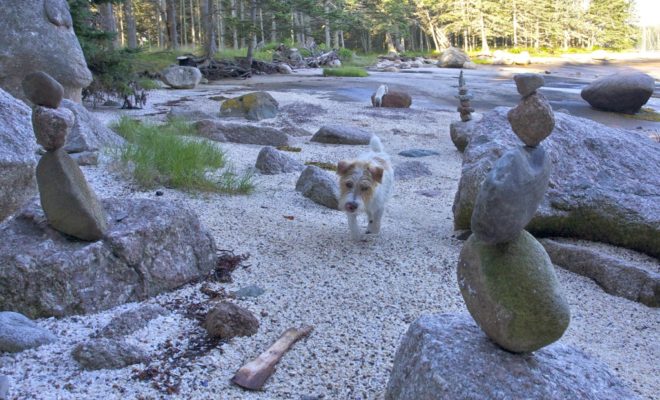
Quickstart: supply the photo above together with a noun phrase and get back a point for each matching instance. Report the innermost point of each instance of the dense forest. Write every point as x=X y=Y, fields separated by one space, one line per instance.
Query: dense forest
x=373 y=25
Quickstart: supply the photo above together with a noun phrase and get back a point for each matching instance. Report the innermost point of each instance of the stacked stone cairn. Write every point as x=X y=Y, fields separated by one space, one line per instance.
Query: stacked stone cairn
x=506 y=278
x=69 y=204
x=464 y=109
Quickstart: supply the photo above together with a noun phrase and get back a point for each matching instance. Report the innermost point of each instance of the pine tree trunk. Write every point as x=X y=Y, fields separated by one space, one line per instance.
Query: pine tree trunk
x=273 y=29
x=192 y=23
x=171 y=25
x=184 y=24
x=221 y=25
x=261 y=25
x=326 y=10
x=242 y=17
x=234 y=31
x=108 y=23
x=253 y=33
x=484 y=39
x=208 y=28
x=515 y=24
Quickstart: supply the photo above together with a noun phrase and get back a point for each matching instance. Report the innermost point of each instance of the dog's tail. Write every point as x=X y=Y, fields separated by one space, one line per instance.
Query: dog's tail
x=376 y=144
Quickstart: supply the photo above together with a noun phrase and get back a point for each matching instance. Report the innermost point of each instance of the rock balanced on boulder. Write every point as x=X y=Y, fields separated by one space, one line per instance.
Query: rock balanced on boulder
x=506 y=278
x=70 y=205
x=464 y=109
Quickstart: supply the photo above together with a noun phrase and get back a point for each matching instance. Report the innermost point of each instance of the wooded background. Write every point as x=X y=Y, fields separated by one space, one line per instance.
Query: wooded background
x=374 y=25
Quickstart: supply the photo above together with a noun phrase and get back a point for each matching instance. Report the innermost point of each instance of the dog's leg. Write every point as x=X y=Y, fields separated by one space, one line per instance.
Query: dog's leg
x=374 y=221
x=353 y=226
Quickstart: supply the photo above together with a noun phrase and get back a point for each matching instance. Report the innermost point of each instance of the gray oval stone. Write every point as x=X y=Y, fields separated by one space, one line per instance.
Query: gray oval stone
x=527 y=84
x=510 y=194
x=51 y=126
x=18 y=333
x=532 y=120
x=42 y=89
x=511 y=290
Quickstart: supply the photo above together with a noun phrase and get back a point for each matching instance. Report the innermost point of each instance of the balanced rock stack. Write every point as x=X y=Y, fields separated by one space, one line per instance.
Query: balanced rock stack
x=464 y=109
x=506 y=278
x=69 y=204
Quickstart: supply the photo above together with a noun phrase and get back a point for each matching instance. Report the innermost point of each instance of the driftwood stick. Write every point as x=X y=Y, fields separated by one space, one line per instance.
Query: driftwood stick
x=254 y=374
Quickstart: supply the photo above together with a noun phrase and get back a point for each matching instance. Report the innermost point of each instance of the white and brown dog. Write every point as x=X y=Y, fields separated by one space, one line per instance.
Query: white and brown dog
x=365 y=184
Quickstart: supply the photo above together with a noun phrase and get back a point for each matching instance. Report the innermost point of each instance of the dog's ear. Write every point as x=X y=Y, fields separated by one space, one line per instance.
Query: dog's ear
x=376 y=173
x=343 y=166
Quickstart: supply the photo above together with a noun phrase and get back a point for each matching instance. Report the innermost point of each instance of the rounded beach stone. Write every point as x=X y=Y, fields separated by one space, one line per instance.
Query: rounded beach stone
x=528 y=83
x=42 y=89
x=512 y=292
x=532 y=120
x=51 y=126
x=510 y=194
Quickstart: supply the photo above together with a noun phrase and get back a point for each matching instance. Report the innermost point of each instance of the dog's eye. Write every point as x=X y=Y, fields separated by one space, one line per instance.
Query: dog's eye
x=349 y=185
x=364 y=188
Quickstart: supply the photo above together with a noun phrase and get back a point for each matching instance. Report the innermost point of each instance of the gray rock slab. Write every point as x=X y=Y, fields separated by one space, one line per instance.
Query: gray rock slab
x=527 y=83
x=617 y=276
x=4 y=387
x=408 y=170
x=240 y=133
x=446 y=356
x=414 y=153
x=249 y=291
x=227 y=320
x=88 y=133
x=319 y=186
x=105 y=353
x=152 y=246
x=70 y=204
x=85 y=157
x=37 y=35
x=42 y=90
x=625 y=91
x=603 y=185
x=181 y=77
x=511 y=290
x=510 y=194
x=271 y=161
x=340 y=134
x=132 y=320
x=17 y=149
x=532 y=120
x=18 y=333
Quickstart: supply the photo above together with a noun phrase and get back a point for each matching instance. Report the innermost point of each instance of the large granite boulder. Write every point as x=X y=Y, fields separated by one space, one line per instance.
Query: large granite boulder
x=37 y=35
x=512 y=292
x=240 y=133
x=625 y=91
x=150 y=247
x=446 y=356
x=88 y=133
x=17 y=148
x=271 y=161
x=453 y=57
x=603 y=185
x=181 y=77
x=253 y=106
x=393 y=99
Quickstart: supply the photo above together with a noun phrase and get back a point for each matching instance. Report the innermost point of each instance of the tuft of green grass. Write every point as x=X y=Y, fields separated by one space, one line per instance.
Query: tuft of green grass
x=362 y=60
x=345 y=72
x=325 y=165
x=160 y=155
x=289 y=148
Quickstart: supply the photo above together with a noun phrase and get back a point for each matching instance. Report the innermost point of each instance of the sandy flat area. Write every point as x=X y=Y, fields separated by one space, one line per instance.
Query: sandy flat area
x=360 y=297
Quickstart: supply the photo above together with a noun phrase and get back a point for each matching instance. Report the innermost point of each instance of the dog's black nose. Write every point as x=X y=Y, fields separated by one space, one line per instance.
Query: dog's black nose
x=351 y=206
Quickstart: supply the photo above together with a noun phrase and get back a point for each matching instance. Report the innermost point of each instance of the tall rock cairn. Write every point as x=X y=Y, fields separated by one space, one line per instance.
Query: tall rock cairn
x=506 y=278
x=464 y=108
x=69 y=204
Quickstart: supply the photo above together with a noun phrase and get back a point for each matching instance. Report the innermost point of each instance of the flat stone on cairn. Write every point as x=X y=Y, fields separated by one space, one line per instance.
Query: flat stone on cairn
x=512 y=292
x=42 y=90
x=51 y=126
x=528 y=83
x=532 y=120
x=510 y=194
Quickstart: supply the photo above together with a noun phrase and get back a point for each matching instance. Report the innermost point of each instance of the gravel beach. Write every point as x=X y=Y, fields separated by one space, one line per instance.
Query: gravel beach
x=359 y=297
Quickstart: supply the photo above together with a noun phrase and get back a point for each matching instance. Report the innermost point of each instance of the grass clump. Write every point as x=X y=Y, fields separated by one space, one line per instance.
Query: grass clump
x=160 y=155
x=645 y=114
x=324 y=165
x=345 y=72
x=289 y=148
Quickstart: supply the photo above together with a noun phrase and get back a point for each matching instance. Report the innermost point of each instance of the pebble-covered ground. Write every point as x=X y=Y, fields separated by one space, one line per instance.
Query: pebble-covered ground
x=359 y=297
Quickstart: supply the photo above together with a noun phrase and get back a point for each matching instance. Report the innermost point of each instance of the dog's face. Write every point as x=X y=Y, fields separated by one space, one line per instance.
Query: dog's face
x=358 y=180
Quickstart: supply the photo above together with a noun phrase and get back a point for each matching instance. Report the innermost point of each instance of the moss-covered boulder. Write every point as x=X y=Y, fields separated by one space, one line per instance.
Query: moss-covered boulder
x=253 y=106
x=512 y=292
